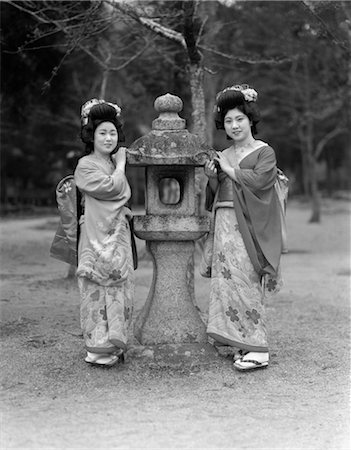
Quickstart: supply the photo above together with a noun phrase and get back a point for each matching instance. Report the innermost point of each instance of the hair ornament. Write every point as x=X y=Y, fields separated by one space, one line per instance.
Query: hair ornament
x=85 y=110
x=250 y=95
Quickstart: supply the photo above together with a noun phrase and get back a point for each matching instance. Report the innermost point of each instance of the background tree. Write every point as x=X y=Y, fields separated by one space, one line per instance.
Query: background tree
x=304 y=95
x=296 y=57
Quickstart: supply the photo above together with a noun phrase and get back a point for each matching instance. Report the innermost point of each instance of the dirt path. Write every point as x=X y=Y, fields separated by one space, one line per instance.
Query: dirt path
x=51 y=399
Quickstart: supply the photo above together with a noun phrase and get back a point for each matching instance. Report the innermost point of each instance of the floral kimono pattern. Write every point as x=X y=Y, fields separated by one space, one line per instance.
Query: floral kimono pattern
x=236 y=310
x=106 y=313
x=105 y=262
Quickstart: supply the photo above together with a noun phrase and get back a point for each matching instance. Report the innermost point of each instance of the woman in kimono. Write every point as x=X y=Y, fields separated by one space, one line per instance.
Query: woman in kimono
x=105 y=264
x=247 y=236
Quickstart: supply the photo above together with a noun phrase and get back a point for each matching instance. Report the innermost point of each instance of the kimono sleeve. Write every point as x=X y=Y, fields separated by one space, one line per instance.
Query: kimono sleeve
x=209 y=198
x=263 y=175
x=92 y=180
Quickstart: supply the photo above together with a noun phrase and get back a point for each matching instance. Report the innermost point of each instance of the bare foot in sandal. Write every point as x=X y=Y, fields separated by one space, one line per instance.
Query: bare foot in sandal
x=239 y=353
x=251 y=361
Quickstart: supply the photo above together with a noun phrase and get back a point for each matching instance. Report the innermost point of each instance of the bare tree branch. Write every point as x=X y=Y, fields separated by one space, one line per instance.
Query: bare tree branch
x=329 y=136
x=131 y=59
x=201 y=30
x=151 y=24
x=312 y=7
x=322 y=111
x=246 y=60
x=76 y=33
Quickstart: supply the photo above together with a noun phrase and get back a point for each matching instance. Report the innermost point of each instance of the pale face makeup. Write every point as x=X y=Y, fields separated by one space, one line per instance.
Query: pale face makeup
x=105 y=139
x=238 y=127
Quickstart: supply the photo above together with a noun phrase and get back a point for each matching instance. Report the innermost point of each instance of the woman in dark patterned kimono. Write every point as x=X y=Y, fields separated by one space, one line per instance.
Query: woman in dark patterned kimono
x=105 y=264
x=248 y=236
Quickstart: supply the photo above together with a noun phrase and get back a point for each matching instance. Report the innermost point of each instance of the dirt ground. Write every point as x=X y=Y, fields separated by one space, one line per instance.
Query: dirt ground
x=51 y=399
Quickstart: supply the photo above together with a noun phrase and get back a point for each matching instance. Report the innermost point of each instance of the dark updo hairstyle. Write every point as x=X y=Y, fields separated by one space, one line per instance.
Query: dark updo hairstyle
x=231 y=98
x=102 y=112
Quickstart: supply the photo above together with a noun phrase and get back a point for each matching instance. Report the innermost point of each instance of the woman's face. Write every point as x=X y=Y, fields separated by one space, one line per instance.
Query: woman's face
x=237 y=126
x=105 y=138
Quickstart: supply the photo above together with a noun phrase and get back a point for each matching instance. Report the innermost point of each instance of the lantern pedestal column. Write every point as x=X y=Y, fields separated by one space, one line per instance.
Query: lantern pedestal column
x=169 y=315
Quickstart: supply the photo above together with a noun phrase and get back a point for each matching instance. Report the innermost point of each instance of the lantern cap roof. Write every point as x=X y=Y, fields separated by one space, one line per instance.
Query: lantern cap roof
x=169 y=143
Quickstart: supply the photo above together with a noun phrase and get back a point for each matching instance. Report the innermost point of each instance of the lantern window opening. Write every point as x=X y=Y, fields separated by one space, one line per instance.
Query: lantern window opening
x=170 y=192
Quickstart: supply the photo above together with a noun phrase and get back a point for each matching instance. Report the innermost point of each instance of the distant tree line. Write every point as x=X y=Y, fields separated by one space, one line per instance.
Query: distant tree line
x=56 y=55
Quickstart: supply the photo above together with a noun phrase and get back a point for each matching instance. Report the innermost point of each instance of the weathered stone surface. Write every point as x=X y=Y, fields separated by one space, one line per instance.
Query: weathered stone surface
x=168 y=103
x=169 y=143
x=168 y=106
x=169 y=148
x=169 y=315
x=170 y=228
x=185 y=177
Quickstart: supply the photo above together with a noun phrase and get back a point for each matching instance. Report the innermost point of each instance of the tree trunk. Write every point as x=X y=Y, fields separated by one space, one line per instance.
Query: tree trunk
x=346 y=8
x=349 y=73
x=309 y=174
x=210 y=88
x=309 y=139
x=313 y=182
x=305 y=171
x=315 y=197
x=196 y=78
x=198 y=126
x=105 y=76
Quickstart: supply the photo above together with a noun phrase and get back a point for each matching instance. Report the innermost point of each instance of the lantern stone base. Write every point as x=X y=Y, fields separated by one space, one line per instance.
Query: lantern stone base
x=169 y=315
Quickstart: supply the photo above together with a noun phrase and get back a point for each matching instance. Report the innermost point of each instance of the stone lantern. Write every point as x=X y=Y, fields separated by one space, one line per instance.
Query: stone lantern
x=170 y=226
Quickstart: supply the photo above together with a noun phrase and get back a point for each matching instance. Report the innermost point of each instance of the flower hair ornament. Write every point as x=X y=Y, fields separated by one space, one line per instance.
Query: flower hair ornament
x=250 y=95
x=85 y=110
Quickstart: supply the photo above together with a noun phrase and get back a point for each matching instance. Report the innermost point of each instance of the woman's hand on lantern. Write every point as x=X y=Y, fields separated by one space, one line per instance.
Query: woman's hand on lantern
x=210 y=169
x=120 y=158
x=224 y=163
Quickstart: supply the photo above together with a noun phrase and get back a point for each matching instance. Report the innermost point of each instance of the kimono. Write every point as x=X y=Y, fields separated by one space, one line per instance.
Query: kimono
x=246 y=253
x=105 y=263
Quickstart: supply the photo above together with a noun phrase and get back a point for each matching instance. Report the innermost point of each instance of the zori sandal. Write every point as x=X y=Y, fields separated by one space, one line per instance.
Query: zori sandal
x=102 y=360
x=250 y=362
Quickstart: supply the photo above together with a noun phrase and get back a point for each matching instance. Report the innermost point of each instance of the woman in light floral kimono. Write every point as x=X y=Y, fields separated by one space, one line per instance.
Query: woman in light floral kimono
x=105 y=263
x=248 y=234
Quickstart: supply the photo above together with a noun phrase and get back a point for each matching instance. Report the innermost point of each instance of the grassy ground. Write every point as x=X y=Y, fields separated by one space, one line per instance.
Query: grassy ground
x=52 y=399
